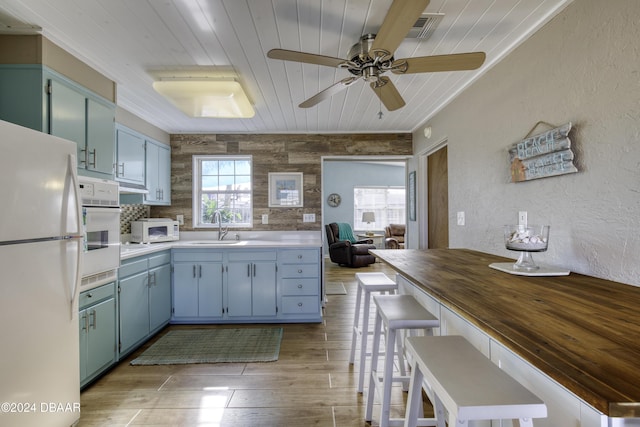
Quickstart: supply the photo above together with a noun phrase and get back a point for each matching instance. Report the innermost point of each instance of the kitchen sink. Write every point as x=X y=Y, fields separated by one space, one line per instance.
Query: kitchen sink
x=215 y=242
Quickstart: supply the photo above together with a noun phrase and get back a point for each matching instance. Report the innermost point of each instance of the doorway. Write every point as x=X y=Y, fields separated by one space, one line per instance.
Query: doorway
x=438 y=199
x=342 y=176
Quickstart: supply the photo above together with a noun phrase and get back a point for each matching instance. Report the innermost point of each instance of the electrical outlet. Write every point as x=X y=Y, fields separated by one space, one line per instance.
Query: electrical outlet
x=308 y=217
x=180 y=219
x=461 y=218
x=265 y=218
x=522 y=218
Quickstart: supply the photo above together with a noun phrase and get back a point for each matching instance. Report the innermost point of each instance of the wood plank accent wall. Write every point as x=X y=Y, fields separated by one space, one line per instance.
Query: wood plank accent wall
x=272 y=153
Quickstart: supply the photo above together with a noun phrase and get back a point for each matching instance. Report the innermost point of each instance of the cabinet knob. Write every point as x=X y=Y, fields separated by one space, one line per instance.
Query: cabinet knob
x=300 y=270
x=299 y=256
x=89 y=295
x=299 y=304
x=299 y=286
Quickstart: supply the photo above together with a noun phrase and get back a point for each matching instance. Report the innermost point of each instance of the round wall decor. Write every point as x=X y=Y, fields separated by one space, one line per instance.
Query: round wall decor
x=334 y=200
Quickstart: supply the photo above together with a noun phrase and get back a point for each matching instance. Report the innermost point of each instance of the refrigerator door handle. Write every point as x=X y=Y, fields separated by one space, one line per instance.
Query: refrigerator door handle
x=75 y=194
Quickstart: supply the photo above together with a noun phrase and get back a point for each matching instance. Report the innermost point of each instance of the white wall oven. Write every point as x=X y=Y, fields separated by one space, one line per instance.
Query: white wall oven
x=101 y=216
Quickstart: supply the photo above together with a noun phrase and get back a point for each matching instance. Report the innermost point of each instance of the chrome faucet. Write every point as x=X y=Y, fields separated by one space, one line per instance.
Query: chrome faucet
x=221 y=233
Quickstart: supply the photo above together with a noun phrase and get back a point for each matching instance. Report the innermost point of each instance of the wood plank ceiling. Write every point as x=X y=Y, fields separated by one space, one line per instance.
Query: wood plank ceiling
x=130 y=41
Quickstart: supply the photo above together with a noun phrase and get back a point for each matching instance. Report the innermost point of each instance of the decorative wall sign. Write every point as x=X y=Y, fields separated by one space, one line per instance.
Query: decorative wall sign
x=285 y=190
x=542 y=155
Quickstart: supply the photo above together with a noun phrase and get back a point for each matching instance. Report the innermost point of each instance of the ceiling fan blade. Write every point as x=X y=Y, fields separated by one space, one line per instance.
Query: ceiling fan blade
x=308 y=58
x=430 y=64
x=388 y=94
x=400 y=18
x=328 y=92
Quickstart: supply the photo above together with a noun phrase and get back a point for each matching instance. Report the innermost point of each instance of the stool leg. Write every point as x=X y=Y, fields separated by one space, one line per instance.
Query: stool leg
x=374 y=367
x=356 y=318
x=364 y=339
x=387 y=377
x=414 y=400
x=401 y=362
x=440 y=413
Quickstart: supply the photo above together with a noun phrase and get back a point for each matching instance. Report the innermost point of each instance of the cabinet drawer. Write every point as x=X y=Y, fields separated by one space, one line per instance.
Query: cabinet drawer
x=96 y=295
x=128 y=268
x=197 y=256
x=159 y=259
x=300 y=305
x=300 y=286
x=304 y=270
x=252 y=256
x=292 y=256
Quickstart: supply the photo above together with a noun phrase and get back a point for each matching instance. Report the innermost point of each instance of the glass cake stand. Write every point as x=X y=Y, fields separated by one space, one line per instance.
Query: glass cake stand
x=526 y=239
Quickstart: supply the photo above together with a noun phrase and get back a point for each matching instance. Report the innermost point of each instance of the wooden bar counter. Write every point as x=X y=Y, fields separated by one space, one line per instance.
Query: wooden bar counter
x=581 y=331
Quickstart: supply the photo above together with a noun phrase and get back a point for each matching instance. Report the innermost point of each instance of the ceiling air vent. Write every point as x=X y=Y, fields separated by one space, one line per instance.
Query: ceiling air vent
x=425 y=25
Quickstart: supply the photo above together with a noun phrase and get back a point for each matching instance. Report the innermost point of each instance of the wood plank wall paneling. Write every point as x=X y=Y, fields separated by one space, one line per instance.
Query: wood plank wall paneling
x=273 y=153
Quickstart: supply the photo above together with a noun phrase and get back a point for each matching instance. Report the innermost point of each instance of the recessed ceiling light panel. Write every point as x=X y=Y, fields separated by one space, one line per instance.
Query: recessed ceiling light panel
x=223 y=99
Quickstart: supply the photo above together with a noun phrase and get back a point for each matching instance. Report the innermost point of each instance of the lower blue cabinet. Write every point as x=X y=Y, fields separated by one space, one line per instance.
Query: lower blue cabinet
x=97 y=322
x=144 y=298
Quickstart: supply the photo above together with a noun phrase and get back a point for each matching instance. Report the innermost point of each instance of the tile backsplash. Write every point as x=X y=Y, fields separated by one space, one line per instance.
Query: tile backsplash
x=130 y=213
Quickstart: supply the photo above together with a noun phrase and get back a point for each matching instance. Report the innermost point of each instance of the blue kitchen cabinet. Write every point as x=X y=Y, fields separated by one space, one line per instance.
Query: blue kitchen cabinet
x=158 y=173
x=251 y=284
x=144 y=298
x=224 y=286
x=159 y=293
x=299 y=277
x=197 y=286
x=130 y=156
x=37 y=97
x=97 y=321
x=99 y=153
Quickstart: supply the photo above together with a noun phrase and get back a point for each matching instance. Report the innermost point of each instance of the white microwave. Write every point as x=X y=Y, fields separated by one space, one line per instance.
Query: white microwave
x=153 y=230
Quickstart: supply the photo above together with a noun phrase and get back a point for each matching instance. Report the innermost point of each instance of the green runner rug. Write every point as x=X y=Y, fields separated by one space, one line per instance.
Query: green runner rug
x=179 y=347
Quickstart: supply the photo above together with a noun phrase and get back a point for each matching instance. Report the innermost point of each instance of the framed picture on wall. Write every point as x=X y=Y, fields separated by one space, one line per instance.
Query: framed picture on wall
x=412 y=196
x=285 y=190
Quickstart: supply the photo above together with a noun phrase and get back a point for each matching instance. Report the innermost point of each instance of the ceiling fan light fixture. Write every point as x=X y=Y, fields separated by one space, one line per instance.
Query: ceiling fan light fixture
x=206 y=98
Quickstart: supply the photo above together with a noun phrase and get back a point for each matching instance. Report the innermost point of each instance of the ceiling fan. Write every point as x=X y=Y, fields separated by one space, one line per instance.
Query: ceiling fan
x=372 y=56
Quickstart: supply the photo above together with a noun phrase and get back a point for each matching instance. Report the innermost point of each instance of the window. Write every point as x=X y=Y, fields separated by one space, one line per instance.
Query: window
x=387 y=203
x=222 y=183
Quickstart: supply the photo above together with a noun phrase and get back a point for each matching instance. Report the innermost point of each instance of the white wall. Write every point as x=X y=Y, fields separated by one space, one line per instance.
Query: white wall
x=583 y=67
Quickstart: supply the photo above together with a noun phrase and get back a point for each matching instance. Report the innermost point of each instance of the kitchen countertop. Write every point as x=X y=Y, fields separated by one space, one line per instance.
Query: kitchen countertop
x=581 y=331
x=132 y=250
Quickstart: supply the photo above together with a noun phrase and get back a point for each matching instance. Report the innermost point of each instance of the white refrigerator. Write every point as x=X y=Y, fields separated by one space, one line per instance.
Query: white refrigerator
x=40 y=264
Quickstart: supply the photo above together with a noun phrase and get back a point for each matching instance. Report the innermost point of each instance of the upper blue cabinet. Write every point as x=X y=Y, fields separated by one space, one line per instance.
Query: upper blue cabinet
x=158 y=173
x=143 y=168
x=85 y=119
x=130 y=156
x=73 y=101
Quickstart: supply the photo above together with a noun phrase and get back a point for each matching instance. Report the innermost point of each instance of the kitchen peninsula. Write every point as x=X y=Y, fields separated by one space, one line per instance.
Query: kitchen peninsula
x=578 y=331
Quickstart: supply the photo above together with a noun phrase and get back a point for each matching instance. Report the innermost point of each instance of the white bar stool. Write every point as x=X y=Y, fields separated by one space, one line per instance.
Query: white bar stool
x=367 y=283
x=394 y=312
x=466 y=384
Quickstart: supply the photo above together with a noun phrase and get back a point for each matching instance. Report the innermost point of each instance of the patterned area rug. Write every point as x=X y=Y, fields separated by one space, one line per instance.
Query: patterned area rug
x=336 y=288
x=181 y=347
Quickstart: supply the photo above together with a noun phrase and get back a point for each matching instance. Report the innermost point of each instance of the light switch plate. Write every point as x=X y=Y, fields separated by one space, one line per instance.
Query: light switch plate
x=461 y=219
x=265 y=218
x=180 y=219
x=522 y=218
x=308 y=217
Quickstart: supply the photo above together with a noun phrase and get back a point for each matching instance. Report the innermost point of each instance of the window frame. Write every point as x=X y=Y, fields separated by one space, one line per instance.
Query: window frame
x=197 y=190
x=357 y=217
